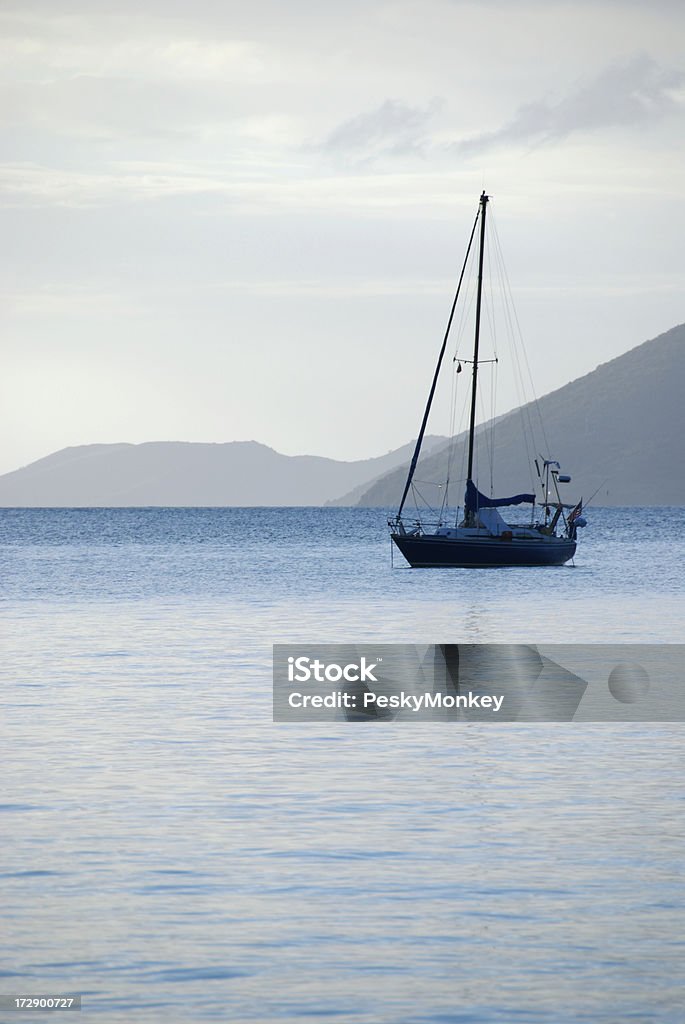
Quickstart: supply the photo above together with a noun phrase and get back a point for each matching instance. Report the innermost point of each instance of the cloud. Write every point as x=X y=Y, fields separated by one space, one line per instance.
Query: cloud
x=393 y=128
x=624 y=94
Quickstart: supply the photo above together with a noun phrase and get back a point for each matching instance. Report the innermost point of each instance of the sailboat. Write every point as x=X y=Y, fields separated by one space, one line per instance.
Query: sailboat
x=481 y=537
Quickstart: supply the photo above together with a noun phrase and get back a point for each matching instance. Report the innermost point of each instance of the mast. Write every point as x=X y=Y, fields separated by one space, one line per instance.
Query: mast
x=422 y=431
x=472 y=423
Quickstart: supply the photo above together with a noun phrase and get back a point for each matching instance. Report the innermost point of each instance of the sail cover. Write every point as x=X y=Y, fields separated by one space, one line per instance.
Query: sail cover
x=474 y=500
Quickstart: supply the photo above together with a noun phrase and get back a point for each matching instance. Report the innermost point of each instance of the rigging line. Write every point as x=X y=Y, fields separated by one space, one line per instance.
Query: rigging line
x=414 y=493
x=490 y=295
x=459 y=414
x=525 y=354
x=493 y=329
x=488 y=425
x=594 y=493
x=493 y=371
x=446 y=486
x=468 y=301
x=426 y=503
x=508 y=309
x=462 y=433
x=419 y=440
x=450 y=445
x=483 y=438
x=528 y=431
x=429 y=483
x=483 y=205
x=453 y=412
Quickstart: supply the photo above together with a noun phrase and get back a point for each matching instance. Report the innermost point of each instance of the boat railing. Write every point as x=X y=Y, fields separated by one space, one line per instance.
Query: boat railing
x=419 y=527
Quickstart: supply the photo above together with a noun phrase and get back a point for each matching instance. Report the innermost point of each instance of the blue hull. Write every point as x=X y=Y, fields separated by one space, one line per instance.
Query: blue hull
x=430 y=552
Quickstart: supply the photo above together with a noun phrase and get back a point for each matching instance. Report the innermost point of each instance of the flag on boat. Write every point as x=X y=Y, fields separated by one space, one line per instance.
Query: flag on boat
x=576 y=512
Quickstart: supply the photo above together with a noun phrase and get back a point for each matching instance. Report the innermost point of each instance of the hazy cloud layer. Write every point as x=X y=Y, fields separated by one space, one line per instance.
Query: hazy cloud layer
x=220 y=216
x=394 y=127
x=633 y=93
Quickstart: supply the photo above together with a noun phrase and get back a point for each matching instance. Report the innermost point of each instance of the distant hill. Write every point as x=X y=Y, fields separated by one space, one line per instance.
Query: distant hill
x=430 y=444
x=188 y=474
x=618 y=430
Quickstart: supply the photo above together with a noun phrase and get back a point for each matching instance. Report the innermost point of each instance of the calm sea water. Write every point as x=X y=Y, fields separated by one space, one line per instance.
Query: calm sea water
x=175 y=856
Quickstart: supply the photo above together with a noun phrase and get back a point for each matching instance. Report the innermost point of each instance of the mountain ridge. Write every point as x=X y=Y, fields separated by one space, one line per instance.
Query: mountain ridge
x=187 y=473
x=617 y=429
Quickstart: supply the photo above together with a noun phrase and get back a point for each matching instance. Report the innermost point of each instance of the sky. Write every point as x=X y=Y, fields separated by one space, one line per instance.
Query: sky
x=228 y=221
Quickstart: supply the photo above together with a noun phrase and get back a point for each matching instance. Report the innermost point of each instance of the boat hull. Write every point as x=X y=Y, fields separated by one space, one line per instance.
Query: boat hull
x=432 y=552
